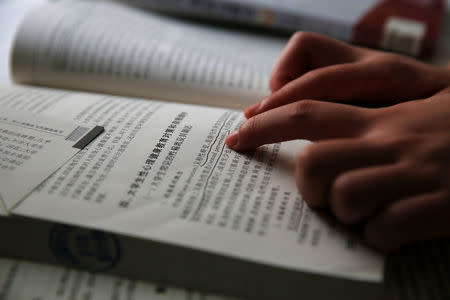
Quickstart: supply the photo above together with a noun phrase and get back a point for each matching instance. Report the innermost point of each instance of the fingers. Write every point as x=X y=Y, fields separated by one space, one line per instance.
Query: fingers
x=360 y=193
x=422 y=217
x=306 y=51
x=337 y=83
x=374 y=80
x=307 y=119
x=306 y=70
x=320 y=163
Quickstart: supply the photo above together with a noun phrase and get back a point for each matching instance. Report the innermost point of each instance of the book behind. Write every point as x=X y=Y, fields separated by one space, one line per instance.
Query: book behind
x=406 y=26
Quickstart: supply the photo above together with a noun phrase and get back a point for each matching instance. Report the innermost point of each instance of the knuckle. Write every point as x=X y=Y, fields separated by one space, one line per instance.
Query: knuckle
x=307 y=160
x=316 y=76
x=303 y=108
x=387 y=60
x=342 y=200
x=319 y=82
x=387 y=64
x=383 y=58
x=396 y=142
x=309 y=177
x=382 y=140
x=318 y=79
x=394 y=146
x=249 y=128
x=278 y=79
x=415 y=155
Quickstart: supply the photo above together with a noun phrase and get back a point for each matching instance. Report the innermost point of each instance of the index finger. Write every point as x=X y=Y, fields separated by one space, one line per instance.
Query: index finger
x=306 y=119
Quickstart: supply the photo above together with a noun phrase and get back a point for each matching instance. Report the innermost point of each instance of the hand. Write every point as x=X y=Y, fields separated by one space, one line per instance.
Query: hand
x=315 y=67
x=386 y=168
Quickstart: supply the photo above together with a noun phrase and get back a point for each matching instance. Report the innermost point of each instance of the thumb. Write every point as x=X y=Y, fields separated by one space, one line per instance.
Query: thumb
x=305 y=119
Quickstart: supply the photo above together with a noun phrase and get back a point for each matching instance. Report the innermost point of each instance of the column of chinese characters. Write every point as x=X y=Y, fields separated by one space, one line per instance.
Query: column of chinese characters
x=16 y=148
x=150 y=161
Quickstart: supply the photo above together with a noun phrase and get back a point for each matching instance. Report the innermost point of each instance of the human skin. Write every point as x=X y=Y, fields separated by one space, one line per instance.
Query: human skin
x=383 y=164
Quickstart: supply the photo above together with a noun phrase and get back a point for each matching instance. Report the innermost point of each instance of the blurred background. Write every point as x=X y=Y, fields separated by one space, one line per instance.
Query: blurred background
x=413 y=27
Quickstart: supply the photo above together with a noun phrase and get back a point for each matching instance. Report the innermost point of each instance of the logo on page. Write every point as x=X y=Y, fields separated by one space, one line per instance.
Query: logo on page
x=89 y=250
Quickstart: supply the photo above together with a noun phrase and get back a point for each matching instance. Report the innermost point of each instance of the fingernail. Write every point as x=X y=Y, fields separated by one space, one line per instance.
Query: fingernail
x=232 y=140
x=250 y=112
x=263 y=103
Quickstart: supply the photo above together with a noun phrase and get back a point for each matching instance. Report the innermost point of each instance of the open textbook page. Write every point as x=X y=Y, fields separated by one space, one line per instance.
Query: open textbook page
x=21 y=280
x=109 y=47
x=162 y=172
x=33 y=147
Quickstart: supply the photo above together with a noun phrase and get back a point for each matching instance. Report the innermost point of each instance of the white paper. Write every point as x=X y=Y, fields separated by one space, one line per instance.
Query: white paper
x=32 y=147
x=108 y=47
x=183 y=186
x=20 y=280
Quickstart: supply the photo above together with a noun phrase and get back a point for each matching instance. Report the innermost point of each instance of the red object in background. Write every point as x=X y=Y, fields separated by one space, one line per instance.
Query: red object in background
x=407 y=26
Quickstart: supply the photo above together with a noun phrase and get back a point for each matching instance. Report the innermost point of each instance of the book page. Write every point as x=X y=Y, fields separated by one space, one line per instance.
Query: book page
x=109 y=47
x=162 y=172
x=26 y=280
x=33 y=147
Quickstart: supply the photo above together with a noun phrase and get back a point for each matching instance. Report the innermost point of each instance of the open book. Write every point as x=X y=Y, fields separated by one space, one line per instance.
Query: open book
x=158 y=195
